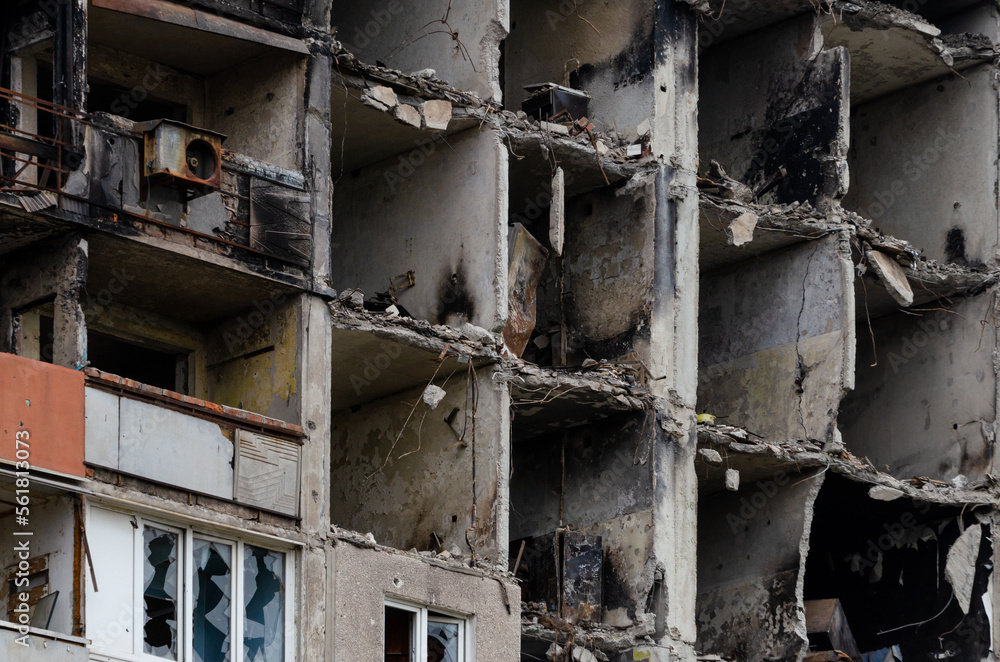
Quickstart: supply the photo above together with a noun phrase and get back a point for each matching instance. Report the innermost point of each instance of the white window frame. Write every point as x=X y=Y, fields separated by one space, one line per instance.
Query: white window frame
x=185 y=597
x=426 y=613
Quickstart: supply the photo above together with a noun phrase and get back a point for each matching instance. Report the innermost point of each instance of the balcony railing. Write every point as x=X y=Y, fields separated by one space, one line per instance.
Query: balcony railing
x=37 y=137
x=265 y=209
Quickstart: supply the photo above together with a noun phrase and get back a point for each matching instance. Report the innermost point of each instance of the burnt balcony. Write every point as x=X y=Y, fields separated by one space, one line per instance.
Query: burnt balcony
x=60 y=169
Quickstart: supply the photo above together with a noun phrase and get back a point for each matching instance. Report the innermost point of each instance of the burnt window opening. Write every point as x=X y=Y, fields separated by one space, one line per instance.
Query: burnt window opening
x=155 y=367
x=891 y=565
x=136 y=104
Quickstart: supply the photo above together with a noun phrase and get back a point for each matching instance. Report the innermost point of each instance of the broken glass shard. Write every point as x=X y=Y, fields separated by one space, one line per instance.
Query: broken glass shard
x=212 y=595
x=160 y=593
x=263 y=605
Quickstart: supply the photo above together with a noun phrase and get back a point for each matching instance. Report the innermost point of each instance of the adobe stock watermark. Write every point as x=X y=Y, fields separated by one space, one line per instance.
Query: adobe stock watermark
x=410 y=161
x=249 y=323
x=375 y=365
x=380 y=20
x=914 y=170
x=752 y=505
x=916 y=341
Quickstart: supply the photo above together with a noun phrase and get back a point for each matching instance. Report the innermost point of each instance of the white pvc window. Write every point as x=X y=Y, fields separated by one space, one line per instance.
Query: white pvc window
x=415 y=633
x=189 y=596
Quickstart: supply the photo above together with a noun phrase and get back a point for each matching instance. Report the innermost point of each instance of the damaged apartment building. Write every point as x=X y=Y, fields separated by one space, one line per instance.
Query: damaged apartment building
x=493 y=330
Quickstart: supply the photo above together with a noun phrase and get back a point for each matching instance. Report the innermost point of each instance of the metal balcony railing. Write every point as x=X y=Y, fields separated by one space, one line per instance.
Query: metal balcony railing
x=40 y=157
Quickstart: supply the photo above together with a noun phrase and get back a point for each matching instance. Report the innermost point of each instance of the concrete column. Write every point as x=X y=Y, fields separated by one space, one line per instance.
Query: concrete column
x=674 y=326
x=314 y=366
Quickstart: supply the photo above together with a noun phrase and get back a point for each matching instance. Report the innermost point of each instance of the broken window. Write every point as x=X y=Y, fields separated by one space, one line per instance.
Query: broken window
x=415 y=634
x=263 y=605
x=212 y=595
x=159 y=593
x=196 y=598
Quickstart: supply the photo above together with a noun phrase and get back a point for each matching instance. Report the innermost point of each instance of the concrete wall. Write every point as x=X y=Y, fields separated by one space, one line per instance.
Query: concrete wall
x=253 y=360
x=394 y=32
x=362 y=580
x=751 y=564
x=777 y=341
x=928 y=408
x=773 y=99
x=445 y=219
x=53 y=524
x=924 y=165
x=609 y=262
x=613 y=62
x=431 y=482
x=258 y=105
x=56 y=268
x=609 y=491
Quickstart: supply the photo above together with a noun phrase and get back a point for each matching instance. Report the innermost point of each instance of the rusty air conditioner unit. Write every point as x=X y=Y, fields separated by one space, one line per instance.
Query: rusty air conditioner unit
x=180 y=156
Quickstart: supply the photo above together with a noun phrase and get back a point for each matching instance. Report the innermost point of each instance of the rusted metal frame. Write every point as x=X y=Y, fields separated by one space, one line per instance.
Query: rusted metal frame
x=146 y=219
x=22 y=145
x=34 y=136
x=42 y=104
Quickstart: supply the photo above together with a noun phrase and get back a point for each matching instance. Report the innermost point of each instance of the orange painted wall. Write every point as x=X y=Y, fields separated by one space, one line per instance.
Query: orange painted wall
x=48 y=402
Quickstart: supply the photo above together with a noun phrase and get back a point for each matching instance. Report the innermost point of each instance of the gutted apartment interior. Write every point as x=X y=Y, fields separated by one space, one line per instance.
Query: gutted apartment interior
x=499 y=330
x=846 y=333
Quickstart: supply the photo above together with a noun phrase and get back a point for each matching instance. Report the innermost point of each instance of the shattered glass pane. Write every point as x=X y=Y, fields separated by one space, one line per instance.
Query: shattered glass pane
x=159 y=593
x=263 y=605
x=442 y=642
x=212 y=601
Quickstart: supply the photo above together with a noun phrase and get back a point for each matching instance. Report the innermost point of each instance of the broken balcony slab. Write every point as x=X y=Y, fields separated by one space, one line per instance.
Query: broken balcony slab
x=759 y=460
x=376 y=113
x=733 y=231
x=548 y=400
x=536 y=152
x=202 y=288
x=377 y=355
x=455 y=560
x=891 y=49
x=927 y=281
x=729 y=20
x=181 y=37
x=540 y=628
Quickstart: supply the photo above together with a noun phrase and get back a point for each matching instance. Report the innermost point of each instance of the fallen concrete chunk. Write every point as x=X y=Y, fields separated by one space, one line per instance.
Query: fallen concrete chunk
x=732 y=480
x=554 y=128
x=407 y=114
x=477 y=333
x=437 y=114
x=557 y=212
x=960 y=568
x=892 y=276
x=740 y=231
x=433 y=395
x=384 y=95
x=883 y=493
x=710 y=455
